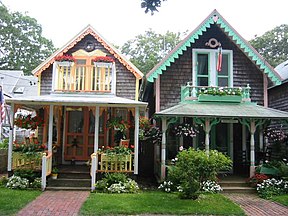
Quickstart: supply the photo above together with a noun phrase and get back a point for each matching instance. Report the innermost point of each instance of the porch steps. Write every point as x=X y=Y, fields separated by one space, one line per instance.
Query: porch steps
x=236 y=185
x=71 y=178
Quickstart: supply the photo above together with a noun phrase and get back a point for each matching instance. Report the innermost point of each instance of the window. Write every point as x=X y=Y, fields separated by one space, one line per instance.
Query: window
x=204 y=68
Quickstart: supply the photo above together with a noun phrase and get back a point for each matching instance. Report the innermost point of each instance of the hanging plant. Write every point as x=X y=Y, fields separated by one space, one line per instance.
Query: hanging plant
x=185 y=129
x=28 y=122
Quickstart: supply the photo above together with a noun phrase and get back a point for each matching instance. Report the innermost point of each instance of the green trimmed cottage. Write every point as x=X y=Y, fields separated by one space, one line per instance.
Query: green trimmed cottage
x=215 y=80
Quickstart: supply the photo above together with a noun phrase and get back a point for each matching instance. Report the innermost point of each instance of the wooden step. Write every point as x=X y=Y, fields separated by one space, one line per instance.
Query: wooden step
x=248 y=190
x=66 y=182
x=68 y=188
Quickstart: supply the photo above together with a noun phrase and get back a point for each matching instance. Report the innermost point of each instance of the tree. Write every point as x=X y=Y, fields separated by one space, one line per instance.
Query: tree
x=146 y=50
x=273 y=45
x=151 y=5
x=22 y=46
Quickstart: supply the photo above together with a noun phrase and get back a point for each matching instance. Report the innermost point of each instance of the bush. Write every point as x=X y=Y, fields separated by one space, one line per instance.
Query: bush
x=211 y=187
x=3 y=181
x=116 y=183
x=272 y=187
x=167 y=186
x=195 y=166
x=4 y=144
x=36 y=183
x=27 y=174
x=16 y=182
x=258 y=178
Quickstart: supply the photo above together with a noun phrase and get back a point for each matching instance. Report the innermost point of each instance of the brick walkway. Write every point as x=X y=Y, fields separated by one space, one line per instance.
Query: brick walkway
x=64 y=203
x=255 y=206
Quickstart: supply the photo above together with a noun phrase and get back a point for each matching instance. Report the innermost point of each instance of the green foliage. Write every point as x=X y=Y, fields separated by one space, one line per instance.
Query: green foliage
x=273 y=45
x=22 y=45
x=151 y=5
x=16 y=182
x=283 y=199
x=36 y=183
x=55 y=170
x=27 y=174
x=272 y=187
x=3 y=181
x=4 y=144
x=116 y=183
x=194 y=167
x=146 y=50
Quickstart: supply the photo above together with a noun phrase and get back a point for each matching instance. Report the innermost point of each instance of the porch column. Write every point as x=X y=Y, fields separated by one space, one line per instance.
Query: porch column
x=181 y=137
x=252 y=148
x=163 y=149
x=96 y=133
x=11 y=136
x=207 y=131
x=261 y=139
x=244 y=138
x=136 y=140
x=50 y=130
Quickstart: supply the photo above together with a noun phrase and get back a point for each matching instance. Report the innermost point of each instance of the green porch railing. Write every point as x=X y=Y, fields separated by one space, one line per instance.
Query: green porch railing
x=211 y=93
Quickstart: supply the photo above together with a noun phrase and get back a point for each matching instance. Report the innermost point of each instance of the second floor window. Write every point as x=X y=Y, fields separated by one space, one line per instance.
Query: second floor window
x=205 y=68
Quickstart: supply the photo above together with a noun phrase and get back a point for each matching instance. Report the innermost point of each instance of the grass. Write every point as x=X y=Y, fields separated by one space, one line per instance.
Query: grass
x=155 y=202
x=11 y=201
x=283 y=199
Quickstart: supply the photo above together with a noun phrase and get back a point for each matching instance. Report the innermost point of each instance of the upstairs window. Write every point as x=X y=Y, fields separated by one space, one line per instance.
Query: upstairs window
x=205 y=68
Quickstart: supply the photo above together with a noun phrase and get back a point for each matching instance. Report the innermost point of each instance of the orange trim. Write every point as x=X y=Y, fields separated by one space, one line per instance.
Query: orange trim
x=100 y=40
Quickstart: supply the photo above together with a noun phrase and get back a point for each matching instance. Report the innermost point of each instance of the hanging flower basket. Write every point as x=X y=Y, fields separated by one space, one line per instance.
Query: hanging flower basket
x=28 y=122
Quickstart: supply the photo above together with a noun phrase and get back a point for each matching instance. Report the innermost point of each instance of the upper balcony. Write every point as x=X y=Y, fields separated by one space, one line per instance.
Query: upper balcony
x=214 y=94
x=97 y=78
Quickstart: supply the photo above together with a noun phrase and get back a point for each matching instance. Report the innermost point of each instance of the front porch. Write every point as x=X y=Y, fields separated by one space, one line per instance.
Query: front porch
x=73 y=135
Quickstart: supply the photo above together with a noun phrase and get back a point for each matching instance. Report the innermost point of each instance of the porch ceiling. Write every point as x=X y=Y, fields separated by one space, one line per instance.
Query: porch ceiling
x=223 y=110
x=76 y=100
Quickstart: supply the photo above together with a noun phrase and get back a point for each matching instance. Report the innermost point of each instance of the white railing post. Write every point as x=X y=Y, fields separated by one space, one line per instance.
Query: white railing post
x=43 y=179
x=93 y=170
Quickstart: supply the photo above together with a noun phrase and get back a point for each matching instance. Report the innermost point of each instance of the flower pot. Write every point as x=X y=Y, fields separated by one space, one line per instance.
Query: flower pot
x=54 y=175
x=103 y=64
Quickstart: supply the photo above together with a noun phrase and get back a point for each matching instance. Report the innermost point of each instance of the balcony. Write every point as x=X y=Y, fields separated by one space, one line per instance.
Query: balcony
x=84 y=78
x=215 y=94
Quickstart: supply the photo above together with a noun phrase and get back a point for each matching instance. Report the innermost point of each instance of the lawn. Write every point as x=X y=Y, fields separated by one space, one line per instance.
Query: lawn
x=283 y=199
x=11 y=201
x=155 y=202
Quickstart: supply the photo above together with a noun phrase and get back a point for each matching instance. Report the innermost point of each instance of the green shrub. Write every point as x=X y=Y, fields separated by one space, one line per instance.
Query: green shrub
x=3 y=181
x=116 y=183
x=27 y=174
x=16 y=182
x=272 y=187
x=4 y=144
x=36 y=183
x=194 y=167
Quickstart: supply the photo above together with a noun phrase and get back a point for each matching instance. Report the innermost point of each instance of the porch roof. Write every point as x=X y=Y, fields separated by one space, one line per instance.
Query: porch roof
x=223 y=110
x=77 y=100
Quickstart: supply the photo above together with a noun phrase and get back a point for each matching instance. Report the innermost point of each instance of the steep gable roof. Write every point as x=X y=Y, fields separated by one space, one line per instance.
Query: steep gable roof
x=241 y=43
x=109 y=47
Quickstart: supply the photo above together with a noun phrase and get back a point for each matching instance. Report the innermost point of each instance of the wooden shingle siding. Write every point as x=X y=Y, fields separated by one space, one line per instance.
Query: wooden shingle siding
x=125 y=80
x=180 y=72
x=46 y=81
x=278 y=97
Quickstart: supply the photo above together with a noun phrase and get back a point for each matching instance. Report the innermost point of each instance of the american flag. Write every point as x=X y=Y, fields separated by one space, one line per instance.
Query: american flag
x=219 y=60
x=2 y=100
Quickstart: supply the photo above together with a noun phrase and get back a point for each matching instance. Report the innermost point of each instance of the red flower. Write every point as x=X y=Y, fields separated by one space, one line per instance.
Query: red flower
x=132 y=146
x=103 y=59
x=65 y=58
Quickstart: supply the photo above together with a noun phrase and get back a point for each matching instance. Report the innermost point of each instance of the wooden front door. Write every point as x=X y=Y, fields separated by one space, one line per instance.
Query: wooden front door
x=79 y=133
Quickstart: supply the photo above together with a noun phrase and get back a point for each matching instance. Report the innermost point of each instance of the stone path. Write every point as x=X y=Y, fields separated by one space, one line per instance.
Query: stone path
x=64 y=203
x=255 y=206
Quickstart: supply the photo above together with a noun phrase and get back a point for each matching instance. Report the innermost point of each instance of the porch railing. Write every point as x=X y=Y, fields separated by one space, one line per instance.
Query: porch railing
x=84 y=78
x=110 y=163
x=46 y=168
x=26 y=161
x=190 y=92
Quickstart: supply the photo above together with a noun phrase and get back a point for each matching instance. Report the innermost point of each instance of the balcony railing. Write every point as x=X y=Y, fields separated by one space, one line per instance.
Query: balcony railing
x=84 y=78
x=221 y=94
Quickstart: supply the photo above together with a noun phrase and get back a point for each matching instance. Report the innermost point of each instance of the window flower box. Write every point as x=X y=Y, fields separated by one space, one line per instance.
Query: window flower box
x=65 y=60
x=220 y=98
x=103 y=61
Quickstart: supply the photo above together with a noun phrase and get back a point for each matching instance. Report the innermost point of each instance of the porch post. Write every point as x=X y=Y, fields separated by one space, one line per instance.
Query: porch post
x=207 y=131
x=181 y=137
x=252 y=148
x=163 y=149
x=136 y=140
x=96 y=135
x=50 y=133
x=244 y=138
x=11 y=136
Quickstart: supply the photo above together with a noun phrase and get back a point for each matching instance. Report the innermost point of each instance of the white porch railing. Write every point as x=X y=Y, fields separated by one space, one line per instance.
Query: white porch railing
x=46 y=168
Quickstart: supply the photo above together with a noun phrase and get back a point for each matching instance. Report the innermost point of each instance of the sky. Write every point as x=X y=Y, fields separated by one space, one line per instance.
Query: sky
x=121 y=20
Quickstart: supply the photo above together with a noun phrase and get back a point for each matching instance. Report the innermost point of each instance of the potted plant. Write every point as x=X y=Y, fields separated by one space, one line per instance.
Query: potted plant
x=54 y=173
x=28 y=122
x=65 y=60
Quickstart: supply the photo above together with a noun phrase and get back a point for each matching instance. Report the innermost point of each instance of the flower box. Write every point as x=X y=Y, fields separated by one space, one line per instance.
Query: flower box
x=269 y=170
x=220 y=98
x=103 y=64
x=65 y=63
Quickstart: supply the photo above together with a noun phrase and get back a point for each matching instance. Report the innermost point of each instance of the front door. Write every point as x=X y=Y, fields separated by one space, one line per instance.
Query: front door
x=79 y=133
